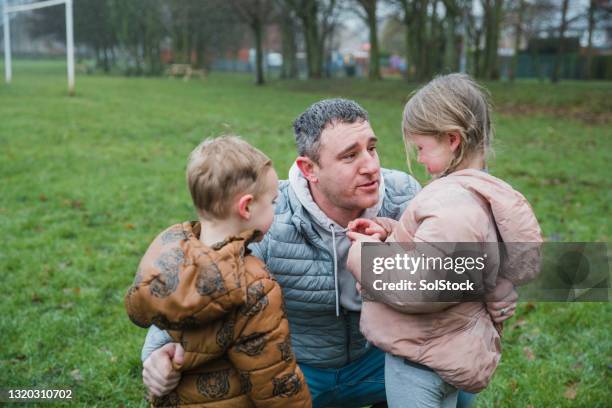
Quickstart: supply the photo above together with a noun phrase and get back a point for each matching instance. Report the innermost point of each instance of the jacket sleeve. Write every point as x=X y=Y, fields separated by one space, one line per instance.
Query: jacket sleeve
x=437 y=224
x=156 y=338
x=174 y=293
x=262 y=350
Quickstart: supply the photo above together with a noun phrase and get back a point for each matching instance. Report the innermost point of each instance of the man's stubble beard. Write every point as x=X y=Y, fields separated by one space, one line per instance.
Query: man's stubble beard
x=345 y=203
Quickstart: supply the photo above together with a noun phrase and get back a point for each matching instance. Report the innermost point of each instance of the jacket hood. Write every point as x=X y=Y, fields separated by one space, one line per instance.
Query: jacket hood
x=515 y=220
x=514 y=217
x=182 y=283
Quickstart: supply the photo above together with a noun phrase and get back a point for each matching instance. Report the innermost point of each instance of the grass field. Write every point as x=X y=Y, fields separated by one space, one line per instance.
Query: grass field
x=88 y=181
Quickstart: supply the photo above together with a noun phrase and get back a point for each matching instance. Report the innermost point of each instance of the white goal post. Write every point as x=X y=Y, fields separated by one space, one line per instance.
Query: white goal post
x=7 y=9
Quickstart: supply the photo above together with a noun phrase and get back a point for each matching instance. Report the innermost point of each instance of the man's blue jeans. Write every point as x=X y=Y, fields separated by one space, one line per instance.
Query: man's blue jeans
x=360 y=383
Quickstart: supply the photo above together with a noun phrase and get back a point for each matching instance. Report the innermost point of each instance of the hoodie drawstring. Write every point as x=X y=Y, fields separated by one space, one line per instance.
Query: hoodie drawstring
x=333 y=231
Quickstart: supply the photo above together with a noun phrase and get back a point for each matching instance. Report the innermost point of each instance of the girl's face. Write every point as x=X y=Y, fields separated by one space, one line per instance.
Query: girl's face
x=435 y=153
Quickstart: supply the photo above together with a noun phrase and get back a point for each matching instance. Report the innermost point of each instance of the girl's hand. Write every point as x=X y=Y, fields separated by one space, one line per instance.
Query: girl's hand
x=354 y=255
x=367 y=227
x=501 y=303
x=358 y=238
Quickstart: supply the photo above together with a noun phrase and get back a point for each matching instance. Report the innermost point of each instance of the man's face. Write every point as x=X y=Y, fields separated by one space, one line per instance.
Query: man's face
x=348 y=171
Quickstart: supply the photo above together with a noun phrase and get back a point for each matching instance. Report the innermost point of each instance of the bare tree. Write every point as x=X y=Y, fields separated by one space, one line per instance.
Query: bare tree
x=289 y=25
x=370 y=18
x=454 y=9
x=518 y=34
x=256 y=14
x=598 y=10
x=561 y=45
x=493 y=14
x=589 y=61
x=318 y=18
x=414 y=16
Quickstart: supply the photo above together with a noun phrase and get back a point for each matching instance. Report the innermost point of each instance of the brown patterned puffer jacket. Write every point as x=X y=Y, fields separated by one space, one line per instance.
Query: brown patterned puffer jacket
x=222 y=305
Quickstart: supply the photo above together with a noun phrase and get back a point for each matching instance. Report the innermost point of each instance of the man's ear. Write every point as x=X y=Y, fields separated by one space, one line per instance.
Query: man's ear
x=244 y=206
x=454 y=140
x=307 y=167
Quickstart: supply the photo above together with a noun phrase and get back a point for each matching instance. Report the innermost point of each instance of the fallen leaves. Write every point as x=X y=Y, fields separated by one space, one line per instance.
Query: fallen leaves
x=529 y=307
x=520 y=322
x=75 y=204
x=571 y=389
x=69 y=291
x=76 y=375
x=528 y=354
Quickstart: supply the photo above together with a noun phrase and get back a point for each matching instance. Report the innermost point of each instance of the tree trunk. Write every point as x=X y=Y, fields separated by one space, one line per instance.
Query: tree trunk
x=453 y=11
x=450 y=51
x=478 y=65
x=409 y=39
x=465 y=36
x=499 y=10
x=369 y=7
x=308 y=16
x=518 y=32
x=106 y=60
x=433 y=43
x=589 y=60
x=421 y=40
x=258 y=33
x=409 y=49
x=289 y=48
x=493 y=16
x=98 y=57
x=560 y=50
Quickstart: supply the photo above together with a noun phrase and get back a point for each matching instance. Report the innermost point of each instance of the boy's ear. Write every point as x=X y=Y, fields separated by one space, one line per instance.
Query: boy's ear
x=454 y=139
x=244 y=206
x=307 y=167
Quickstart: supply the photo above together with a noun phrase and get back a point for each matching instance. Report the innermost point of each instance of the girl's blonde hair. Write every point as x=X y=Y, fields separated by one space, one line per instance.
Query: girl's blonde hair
x=452 y=103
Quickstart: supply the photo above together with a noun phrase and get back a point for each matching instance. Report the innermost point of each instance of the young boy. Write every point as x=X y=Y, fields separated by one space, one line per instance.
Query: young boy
x=198 y=282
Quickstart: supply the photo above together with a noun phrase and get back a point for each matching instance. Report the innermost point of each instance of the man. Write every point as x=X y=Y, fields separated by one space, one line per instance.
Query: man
x=335 y=179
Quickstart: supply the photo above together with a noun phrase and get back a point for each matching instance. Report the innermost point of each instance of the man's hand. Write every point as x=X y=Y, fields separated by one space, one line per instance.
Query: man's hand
x=158 y=375
x=501 y=303
x=367 y=227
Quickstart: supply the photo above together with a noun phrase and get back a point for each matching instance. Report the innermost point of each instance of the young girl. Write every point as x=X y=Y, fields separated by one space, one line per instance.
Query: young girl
x=434 y=350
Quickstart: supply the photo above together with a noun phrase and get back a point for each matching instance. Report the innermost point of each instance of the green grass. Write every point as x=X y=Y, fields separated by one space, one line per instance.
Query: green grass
x=88 y=181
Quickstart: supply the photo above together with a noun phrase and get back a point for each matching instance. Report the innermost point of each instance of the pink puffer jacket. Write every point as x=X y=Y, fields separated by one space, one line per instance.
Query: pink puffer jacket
x=460 y=342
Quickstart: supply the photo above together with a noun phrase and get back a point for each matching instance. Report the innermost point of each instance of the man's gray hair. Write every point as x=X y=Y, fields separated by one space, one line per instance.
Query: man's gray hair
x=309 y=125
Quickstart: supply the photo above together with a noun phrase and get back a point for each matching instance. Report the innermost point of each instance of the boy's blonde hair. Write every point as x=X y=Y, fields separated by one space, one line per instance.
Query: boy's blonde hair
x=452 y=103
x=219 y=169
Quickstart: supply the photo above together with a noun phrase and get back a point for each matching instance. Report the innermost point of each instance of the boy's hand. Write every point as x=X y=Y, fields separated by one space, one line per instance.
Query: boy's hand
x=367 y=227
x=158 y=374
